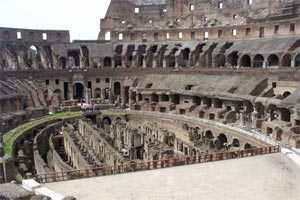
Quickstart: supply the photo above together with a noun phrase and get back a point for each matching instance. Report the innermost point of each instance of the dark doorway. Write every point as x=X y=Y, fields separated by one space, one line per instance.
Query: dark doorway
x=78 y=91
x=117 y=88
x=75 y=55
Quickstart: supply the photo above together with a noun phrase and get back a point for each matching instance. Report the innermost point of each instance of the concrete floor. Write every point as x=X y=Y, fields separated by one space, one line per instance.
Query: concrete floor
x=268 y=177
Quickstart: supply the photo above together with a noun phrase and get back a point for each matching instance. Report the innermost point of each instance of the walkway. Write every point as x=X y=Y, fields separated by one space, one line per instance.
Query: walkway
x=261 y=177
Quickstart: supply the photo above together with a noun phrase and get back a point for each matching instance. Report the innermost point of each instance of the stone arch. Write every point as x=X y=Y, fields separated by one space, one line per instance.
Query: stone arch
x=106 y=93
x=286 y=60
x=273 y=60
x=232 y=58
x=222 y=137
x=220 y=60
x=117 y=88
x=73 y=56
x=297 y=61
x=175 y=99
x=260 y=109
x=286 y=94
x=235 y=143
x=245 y=61
x=118 y=60
x=247 y=146
x=209 y=134
x=78 y=91
x=98 y=93
x=107 y=62
x=62 y=62
x=33 y=56
x=154 y=97
x=141 y=60
x=96 y=62
x=164 y=97
x=85 y=56
x=258 y=61
x=48 y=56
x=285 y=114
x=185 y=54
x=107 y=120
x=172 y=58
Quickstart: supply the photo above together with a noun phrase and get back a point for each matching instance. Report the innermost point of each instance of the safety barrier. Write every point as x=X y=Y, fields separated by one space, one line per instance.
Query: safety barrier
x=154 y=164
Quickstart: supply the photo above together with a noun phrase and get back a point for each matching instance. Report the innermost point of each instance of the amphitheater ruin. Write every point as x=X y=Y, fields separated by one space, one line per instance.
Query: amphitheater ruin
x=166 y=83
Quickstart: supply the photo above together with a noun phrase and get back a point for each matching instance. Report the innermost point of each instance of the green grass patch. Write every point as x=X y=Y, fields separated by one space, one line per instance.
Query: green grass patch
x=18 y=177
x=12 y=135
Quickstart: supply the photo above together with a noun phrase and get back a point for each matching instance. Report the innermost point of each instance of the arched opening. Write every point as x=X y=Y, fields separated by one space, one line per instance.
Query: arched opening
x=48 y=56
x=232 y=58
x=209 y=135
x=185 y=57
x=33 y=54
x=164 y=97
x=85 y=54
x=207 y=101
x=78 y=91
x=141 y=61
x=245 y=61
x=298 y=144
x=107 y=62
x=73 y=56
x=217 y=103
x=186 y=151
x=286 y=94
x=98 y=93
x=220 y=60
x=172 y=58
x=176 y=99
x=107 y=36
x=117 y=88
x=96 y=62
x=258 y=61
x=260 y=108
x=106 y=93
x=154 y=97
x=196 y=100
x=62 y=62
x=273 y=60
x=235 y=143
x=286 y=60
x=222 y=137
x=285 y=115
x=107 y=120
x=154 y=48
x=297 y=61
x=118 y=61
x=247 y=146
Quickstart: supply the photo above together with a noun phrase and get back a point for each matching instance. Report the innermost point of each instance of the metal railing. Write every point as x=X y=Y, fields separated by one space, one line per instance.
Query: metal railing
x=154 y=164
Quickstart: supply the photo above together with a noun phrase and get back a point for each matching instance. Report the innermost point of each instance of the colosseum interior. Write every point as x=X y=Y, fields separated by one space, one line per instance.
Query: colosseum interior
x=166 y=80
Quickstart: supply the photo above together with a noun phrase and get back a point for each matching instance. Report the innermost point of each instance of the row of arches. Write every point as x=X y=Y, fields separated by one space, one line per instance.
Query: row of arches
x=221 y=141
x=79 y=91
x=169 y=55
x=258 y=60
